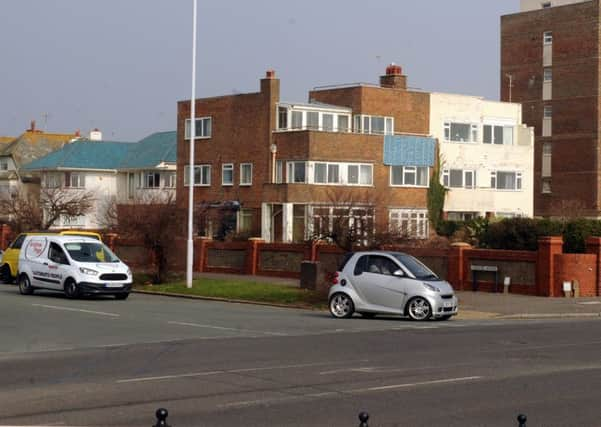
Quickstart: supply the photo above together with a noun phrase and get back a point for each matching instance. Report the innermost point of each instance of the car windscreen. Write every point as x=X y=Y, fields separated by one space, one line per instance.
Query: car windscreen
x=90 y=252
x=419 y=270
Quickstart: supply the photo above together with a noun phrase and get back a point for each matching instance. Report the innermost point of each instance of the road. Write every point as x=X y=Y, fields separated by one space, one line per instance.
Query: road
x=106 y=362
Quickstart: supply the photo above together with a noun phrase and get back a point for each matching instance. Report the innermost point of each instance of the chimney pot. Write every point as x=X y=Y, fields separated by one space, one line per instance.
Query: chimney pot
x=32 y=127
x=270 y=74
x=394 y=70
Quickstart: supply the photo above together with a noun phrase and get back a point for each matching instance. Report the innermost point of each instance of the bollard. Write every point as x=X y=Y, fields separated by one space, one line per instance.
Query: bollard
x=161 y=415
x=363 y=417
x=522 y=420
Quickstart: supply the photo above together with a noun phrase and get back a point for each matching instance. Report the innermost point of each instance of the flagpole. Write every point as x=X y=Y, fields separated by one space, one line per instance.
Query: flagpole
x=190 y=252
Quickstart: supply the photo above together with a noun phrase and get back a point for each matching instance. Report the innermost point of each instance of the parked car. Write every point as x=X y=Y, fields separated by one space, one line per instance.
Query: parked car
x=10 y=259
x=395 y=283
x=73 y=265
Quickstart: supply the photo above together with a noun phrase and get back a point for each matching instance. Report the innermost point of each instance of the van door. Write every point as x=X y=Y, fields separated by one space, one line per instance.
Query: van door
x=58 y=266
x=35 y=256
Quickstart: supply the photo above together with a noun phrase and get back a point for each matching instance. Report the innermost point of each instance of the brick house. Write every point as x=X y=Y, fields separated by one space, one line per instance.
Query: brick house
x=550 y=64
x=285 y=171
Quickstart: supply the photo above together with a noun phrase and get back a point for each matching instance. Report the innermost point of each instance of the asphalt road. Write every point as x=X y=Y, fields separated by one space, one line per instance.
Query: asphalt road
x=106 y=362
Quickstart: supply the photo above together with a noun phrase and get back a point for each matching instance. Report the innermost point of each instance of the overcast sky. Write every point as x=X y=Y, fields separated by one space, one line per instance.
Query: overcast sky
x=121 y=65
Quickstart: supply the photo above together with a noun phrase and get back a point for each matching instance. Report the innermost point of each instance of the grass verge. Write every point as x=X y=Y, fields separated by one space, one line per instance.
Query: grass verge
x=242 y=290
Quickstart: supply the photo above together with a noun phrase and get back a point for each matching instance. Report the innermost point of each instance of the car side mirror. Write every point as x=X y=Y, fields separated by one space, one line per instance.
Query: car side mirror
x=399 y=273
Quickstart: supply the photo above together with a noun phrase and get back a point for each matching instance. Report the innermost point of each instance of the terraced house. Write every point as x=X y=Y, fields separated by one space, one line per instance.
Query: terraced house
x=286 y=170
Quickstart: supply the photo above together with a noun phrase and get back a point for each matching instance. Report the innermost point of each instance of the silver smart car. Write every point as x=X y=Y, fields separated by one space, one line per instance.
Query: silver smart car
x=379 y=282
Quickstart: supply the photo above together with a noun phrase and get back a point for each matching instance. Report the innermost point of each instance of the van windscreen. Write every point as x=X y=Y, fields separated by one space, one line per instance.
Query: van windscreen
x=90 y=252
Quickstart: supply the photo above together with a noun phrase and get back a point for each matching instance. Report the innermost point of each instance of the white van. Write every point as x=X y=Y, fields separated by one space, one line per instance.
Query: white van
x=71 y=264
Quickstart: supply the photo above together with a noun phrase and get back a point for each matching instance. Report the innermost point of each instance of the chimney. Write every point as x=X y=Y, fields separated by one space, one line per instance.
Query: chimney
x=95 y=135
x=394 y=78
x=77 y=133
x=270 y=86
x=32 y=126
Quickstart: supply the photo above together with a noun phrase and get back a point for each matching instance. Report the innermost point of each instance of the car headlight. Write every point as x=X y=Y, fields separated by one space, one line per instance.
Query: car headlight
x=88 y=271
x=430 y=287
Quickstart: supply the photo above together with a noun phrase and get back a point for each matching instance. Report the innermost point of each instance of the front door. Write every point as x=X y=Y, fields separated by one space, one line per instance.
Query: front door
x=375 y=280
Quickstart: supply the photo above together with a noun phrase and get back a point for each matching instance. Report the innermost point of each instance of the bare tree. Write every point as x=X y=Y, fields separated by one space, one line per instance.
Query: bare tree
x=153 y=220
x=29 y=211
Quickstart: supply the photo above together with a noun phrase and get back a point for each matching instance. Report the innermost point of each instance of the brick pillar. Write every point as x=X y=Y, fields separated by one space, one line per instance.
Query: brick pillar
x=252 y=259
x=593 y=246
x=548 y=247
x=455 y=267
x=203 y=253
x=5 y=233
x=111 y=239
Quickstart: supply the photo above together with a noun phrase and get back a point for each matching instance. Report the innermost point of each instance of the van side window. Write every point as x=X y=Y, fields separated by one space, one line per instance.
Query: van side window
x=56 y=254
x=18 y=242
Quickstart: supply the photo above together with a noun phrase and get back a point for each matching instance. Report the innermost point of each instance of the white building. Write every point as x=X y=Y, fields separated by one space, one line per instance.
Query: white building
x=487 y=156
x=527 y=5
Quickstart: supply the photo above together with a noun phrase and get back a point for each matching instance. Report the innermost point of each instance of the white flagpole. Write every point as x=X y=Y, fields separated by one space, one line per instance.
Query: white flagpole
x=190 y=254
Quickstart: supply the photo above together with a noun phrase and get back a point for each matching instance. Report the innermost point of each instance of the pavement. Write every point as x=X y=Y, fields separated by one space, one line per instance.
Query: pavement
x=480 y=305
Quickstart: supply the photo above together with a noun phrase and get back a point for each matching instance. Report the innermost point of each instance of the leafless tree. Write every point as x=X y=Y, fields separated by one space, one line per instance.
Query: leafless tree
x=155 y=221
x=32 y=211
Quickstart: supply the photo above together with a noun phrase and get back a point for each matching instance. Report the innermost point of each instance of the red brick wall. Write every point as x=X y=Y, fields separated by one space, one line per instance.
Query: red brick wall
x=576 y=267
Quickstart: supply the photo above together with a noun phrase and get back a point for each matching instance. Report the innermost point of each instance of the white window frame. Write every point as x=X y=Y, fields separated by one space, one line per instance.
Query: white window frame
x=227 y=167
x=279 y=172
x=156 y=178
x=170 y=179
x=343 y=174
x=244 y=213
x=77 y=178
x=409 y=170
x=474 y=131
x=55 y=178
x=446 y=178
x=290 y=168
x=548 y=112
x=3 y=164
x=363 y=124
x=519 y=186
x=506 y=128
x=202 y=134
x=405 y=219
x=201 y=168
x=242 y=167
x=548 y=74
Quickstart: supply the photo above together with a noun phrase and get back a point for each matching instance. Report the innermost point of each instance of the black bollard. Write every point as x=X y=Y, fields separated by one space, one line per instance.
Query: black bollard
x=522 y=420
x=161 y=414
x=363 y=417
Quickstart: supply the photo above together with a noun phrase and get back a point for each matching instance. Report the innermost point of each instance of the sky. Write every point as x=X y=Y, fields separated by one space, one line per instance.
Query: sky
x=122 y=65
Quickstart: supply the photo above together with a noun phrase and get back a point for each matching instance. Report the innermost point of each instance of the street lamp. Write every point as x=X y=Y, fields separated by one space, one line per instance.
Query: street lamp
x=190 y=252
x=274 y=149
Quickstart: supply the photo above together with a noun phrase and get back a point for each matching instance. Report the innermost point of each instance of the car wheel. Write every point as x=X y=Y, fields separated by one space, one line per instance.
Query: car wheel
x=368 y=315
x=341 y=306
x=71 y=290
x=443 y=318
x=122 y=296
x=25 y=287
x=5 y=276
x=419 y=309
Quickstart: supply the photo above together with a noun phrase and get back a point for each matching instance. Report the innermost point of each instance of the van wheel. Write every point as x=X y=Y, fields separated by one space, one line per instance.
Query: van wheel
x=71 y=290
x=25 y=287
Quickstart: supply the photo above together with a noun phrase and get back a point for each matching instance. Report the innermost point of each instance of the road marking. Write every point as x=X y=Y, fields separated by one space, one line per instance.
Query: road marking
x=229 y=371
x=223 y=328
x=407 y=385
x=80 y=310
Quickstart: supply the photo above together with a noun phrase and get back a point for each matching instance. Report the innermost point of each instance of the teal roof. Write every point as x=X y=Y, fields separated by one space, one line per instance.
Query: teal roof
x=152 y=150
x=94 y=155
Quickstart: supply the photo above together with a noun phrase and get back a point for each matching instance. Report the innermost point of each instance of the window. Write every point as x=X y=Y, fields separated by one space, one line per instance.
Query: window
x=152 y=180
x=333 y=174
x=202 y=175
x=246 y=174
x=203 y=128
x=321 y=173
x=3 y=164
x=546 y=187
x=499 y=135
x=548 y=111
x=170 y=179
x=409 y=176
x=359 y=174
x=297 y=172
x=245 y=217
x=377 y=125
x=343 y=123
x=279 y=171
x=75 y=180
x=506 y=180
x=459 y=178
x=460 y=132
x=56 y=254
x=53 y=180
x=227 y=174
x=325 y=219
x=547 y=160
x=548 y=74
x=328 y=122
x=282 y=118
x=548 y=37
x=409 y=223
x=312 y=120
x=378 y=264
x=299 y=221
x=297 y=120
x=545 y=4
